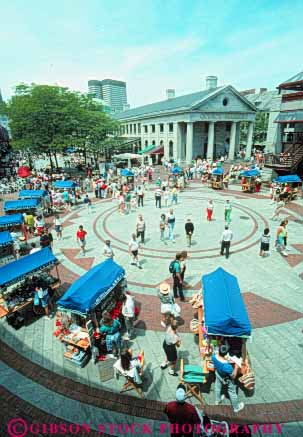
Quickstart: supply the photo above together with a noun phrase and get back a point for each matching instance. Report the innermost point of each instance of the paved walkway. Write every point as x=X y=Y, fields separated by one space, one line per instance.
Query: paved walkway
x=272 y=291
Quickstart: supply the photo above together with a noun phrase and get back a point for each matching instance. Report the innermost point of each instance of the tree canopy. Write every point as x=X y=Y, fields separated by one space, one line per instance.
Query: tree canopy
x=47 y=119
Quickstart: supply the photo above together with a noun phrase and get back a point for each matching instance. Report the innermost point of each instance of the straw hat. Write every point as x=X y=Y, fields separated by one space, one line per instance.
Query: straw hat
x=164 y=288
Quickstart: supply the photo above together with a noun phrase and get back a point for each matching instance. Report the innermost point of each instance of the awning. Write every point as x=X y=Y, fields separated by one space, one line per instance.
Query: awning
x=126 y=172
x=158 y=151
x=177 y=170
x=224 y=310
x=29 y=194
x=16 y=270
x=15 y=205
x=290 y=117
x=5 y=238
x=65 y=184
x=89 y=290
x=288 y=179
x=250 y=173
x=11 y=220
x=218 y=171
x=147 y=149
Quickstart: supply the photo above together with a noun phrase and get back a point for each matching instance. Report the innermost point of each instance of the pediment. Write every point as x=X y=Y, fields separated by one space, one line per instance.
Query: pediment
x=226 y=99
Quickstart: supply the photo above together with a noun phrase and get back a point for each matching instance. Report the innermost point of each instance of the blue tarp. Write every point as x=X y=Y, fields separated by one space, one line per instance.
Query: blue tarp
x=11 y=220
x=29 y=194
x=65 y=184
x=289 y=178
x=5 y=238
x=126 y=172
x=224 y=309
x=14 y=205
x=250 y=173
x=89 y=290
x=218 y=171
x=16 y=270
x=177 y=170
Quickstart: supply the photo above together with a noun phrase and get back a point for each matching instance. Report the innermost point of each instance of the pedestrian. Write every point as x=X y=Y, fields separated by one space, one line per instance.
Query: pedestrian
x=171 y=220
x=183 y=416
x=280 y=239
x=140 y=228
x=81 y=239
x=121 y=204
x=284 y=223
x=140 y=194
x=279 y=206
x=227 y=212
x=209 y=210
x=167 y=301
x=108 y=250
x=174 y=195
x=166 y=196
x=189 y=230
x=58 y=226
x=162 y=226
x=128 y=198
x=226 y=373
x=133 y=202
x=45 y=240
x=111 y=327
x=175 y=269
x=172 y=340
x=66 y=200
x=128 y=311
x=265 y=240
x=88 y=203
x=42 y=297
x=158 y=195
x=133 y=249
x=226 y=239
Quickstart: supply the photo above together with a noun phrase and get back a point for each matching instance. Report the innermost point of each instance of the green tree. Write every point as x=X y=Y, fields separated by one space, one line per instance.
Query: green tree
x=47 y=119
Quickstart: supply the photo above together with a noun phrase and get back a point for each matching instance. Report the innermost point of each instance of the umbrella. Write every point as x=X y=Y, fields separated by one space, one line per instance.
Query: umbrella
x=24 y=172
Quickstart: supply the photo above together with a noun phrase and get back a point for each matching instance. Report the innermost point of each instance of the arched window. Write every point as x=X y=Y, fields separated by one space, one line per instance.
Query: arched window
x=153 y=142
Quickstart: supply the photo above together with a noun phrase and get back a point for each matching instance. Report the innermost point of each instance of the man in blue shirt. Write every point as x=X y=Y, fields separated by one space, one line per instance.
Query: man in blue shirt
x=226 y=375
x=177 y=279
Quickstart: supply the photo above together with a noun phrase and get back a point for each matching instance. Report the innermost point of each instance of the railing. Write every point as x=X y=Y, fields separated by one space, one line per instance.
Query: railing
x=289 y=159
x=293 y=137
x=272 y=159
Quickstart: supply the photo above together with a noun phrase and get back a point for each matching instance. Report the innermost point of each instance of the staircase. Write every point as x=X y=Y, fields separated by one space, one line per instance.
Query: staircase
x=289 y=163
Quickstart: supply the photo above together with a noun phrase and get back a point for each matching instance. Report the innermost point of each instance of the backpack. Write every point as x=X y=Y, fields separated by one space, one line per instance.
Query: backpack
x=171 y=267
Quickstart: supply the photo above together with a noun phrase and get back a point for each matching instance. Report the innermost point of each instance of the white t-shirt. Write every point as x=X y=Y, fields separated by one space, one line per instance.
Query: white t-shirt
x=108 y=251
x=34 y=249
x=227 y=235
x=133 y=245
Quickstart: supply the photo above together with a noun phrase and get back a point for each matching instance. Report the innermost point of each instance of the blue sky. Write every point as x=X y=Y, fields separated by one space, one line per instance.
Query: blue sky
x=151 y=44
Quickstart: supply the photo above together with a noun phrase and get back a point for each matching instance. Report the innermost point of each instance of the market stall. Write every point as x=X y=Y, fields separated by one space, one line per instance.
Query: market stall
x=17 y=278
x=64 y=185
x=176 y=172
x=249 y=180
x=12 y=222
x=216 y=180
x=6 y=248
x=25 y=205
x=290 y=184
x=222 y=319
x=82 y=305
x=127 y=177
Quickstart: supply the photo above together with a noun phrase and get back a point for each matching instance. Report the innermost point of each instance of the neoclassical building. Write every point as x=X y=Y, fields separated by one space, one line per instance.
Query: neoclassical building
x=205 y=123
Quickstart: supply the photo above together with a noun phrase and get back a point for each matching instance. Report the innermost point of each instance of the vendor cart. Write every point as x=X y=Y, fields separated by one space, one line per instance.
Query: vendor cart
x=65 y=185
x=12 y=223
x=20 y=206
x=248 y=181
x=99 y=290
x=16 y=282
x=216 y=180
x=128 y=177
x=294 y=183
x=6 y=248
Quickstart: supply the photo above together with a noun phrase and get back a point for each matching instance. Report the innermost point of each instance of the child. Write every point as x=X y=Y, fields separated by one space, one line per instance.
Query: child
x=265 y=240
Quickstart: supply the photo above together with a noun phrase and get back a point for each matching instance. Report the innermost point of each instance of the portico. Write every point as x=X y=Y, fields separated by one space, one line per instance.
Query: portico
x=204 y=124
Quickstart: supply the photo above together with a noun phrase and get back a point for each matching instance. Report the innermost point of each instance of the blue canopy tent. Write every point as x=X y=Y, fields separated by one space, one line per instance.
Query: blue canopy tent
x=20 y=205
x=177 y=170
x=224 y=310
x=31 y=194
x=218 y=171
x=65 y=184
x=17 y=270
x=250 y=173
x=5 y=239
x=126 y=172
x=291 y=178
x=11 y=220
x=89 y=290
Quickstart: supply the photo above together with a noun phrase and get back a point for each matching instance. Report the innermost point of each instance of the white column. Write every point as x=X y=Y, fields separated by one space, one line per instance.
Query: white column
x=166 y=140
x=211 y=139
x=232 y=141
x=189 y=142
x=249 y=139
x=177 y=141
